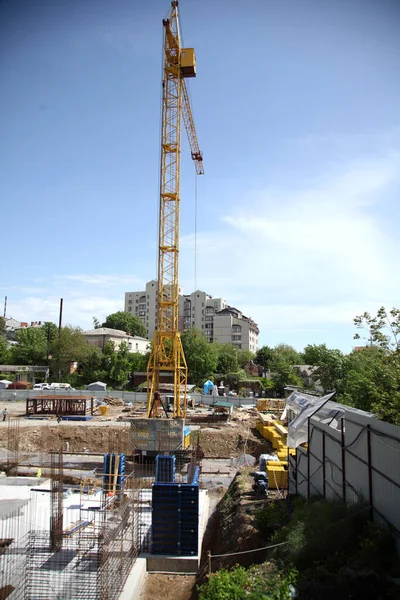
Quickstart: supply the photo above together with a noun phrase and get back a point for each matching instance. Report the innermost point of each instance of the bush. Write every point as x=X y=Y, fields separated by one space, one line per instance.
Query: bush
x=262 y=582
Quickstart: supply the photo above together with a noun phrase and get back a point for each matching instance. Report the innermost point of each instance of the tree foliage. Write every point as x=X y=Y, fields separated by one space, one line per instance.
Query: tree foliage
x=264 y=357
x=329 y=365
x=244 y=356
x=201 y=356
x=4 y=350
x=383 y=329
x=31 y=347
x=227 y=358
x=67 y=346
x=125 y=322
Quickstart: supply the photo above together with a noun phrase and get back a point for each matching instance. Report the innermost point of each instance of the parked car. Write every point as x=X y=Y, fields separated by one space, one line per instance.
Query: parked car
x=41 y=386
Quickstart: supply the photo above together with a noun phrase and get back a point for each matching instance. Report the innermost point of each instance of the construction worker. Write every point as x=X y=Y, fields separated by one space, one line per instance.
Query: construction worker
x=5 y=413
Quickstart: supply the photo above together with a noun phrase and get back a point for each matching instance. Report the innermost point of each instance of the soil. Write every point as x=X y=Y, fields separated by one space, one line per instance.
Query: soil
x=230 y=439
x=169 y=587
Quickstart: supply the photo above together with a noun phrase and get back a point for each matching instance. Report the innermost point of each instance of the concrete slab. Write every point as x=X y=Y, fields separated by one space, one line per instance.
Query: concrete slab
x=135 y=582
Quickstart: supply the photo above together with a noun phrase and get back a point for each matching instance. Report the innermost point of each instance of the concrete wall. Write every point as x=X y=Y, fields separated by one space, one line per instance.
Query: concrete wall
x=362 y=465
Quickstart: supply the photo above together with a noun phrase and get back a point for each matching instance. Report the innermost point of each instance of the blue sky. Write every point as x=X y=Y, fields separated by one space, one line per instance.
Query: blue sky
x=296 y=105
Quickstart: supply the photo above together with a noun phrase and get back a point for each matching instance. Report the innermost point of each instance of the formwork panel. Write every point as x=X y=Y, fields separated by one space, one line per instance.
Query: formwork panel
x=154 y=435
x=175 y=520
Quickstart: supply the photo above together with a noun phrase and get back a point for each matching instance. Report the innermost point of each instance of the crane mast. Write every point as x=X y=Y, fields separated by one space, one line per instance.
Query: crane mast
x=167 y=353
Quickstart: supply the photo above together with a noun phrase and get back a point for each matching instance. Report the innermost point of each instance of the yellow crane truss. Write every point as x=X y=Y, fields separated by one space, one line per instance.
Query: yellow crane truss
x=167 y=352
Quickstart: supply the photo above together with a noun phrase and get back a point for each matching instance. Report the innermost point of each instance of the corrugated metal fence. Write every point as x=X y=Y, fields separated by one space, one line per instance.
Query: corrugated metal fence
x=356 y=462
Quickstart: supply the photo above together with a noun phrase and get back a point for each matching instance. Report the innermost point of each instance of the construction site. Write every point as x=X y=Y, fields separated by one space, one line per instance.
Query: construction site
x=113 y=500
x=87 y=511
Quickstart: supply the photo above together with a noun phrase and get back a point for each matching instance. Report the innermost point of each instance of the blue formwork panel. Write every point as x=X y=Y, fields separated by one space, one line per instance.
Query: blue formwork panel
x=175 y=519
x=109 y=472
x=165 y=468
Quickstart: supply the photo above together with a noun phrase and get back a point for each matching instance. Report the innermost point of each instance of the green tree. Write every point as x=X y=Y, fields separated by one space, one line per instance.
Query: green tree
x=381 y=375
x=287 y=352
x=383 y=329
x=91 y=367
x=4 y=351
x=2 y=326
x=371 y=382
x=138 y=362
x=227 y=358
x=244 y=356
x=31 y=347
x=329 y=364
x=68 y=345
x=201 y=356
x=126 y=322
x=283 y=373
x=264 y=357
x=117 y=364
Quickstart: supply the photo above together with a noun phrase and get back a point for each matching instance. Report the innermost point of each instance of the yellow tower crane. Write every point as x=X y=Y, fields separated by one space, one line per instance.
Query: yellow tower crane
x=167 y=352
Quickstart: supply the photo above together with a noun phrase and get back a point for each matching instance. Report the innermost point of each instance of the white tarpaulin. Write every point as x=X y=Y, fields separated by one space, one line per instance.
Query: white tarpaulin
x=304 y=406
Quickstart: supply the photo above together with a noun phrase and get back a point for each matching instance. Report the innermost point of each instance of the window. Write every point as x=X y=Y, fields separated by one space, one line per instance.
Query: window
x=209 y=326
x=142 y=306
x=236 y=328
x=142 y=299
x=142 y=313
x=236 y=338
x=130 y=308
x=130 y=302
x=202 y=326
x=209 y=318
x=202 y=303
x=209 y=310
x=137 y=301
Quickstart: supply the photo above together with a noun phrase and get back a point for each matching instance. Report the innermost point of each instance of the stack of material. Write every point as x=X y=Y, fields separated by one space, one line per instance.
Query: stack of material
x=113 y=401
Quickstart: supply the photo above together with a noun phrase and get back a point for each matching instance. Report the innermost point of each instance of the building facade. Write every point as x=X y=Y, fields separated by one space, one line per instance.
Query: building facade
x=99 y=337
x=212 y=316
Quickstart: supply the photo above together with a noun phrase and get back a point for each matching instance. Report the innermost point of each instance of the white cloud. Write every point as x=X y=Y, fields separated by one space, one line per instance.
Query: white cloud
x=319 y=255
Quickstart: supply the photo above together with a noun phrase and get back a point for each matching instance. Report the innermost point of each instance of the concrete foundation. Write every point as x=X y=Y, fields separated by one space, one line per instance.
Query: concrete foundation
x=136 y=580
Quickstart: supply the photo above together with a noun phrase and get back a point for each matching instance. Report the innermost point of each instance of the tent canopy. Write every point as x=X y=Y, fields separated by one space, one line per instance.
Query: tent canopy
x=208 y=386
x=97 y=385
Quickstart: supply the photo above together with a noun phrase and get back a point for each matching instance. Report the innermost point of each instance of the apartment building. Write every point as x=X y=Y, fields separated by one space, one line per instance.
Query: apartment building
x=231 y=326
x=213 y=316
x=145 y=306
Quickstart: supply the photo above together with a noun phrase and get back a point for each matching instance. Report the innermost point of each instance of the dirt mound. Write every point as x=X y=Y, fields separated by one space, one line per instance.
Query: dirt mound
x=80 y=438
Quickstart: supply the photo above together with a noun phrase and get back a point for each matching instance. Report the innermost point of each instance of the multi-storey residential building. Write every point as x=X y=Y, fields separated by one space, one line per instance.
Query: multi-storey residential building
x=212 y=316
x=231 y=326
x=196 y=310
x=145 y=306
